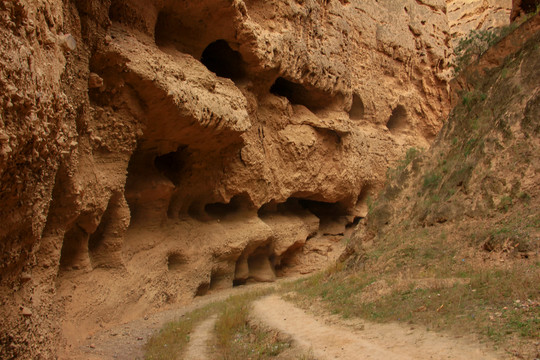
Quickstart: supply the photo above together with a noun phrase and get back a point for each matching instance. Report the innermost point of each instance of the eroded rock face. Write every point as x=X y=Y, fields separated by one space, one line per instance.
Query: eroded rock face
x=154 y=150
x=467 y=15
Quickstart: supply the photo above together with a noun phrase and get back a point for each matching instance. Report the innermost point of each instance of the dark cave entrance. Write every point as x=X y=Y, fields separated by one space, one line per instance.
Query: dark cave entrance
x=398 y=119
x=357 y=109
x=172 y=164
x=222 y=60
x=74 y=253
x=298 y=94
x=238 y=204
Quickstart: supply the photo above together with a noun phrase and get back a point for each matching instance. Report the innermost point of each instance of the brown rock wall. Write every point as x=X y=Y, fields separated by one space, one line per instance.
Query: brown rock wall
x=152 y=151
x=467 y=15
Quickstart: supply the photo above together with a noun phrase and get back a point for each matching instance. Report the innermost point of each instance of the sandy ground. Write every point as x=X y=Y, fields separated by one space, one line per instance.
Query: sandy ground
x=369 y=341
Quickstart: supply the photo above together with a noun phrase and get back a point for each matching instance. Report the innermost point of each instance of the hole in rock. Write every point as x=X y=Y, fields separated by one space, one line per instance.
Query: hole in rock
x=172 y=164
x=298 y=94
x=398 y=119
x=239 y=282
x=288 y=259
x=220 y=281
x=330 y=135
x=255 y=265
x=149 y=185
x=355 y=222
x=219 y=58
x=357 y=108
x=291 y=206
x=191 y=27
x=172 y=29
x=202 y=289
x=333 y=216
x=323 y=210
x=238 y=203
x=196 y=210
x=74 y=253
x=362 y=205
x=103 y=242
x=175 y=261
x=268 y=208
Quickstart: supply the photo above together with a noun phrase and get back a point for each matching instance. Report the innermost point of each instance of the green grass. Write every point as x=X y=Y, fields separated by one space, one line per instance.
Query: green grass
x=173 y=338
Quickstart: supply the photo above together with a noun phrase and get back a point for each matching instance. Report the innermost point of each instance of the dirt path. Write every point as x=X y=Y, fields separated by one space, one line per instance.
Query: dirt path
x=126 y=341
x=199 y=340
x=375 y=341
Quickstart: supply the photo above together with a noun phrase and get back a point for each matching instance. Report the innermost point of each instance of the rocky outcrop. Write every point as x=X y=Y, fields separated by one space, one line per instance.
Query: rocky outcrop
x=152 y=151
x=467 y=15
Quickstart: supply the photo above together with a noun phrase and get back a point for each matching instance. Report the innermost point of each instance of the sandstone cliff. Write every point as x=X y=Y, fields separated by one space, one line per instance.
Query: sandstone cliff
x=154 y=150
x=467 y=15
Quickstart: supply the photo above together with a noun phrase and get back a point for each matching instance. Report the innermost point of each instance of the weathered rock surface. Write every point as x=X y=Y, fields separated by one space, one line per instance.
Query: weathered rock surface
x=154 y=150
x=467 y=15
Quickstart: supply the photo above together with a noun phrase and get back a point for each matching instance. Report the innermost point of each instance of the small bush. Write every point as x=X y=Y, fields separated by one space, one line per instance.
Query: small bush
x=431 y=180
x=471 y=47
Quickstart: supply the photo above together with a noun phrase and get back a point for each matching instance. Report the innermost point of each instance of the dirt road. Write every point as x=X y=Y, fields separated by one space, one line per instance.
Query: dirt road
x=375 y=341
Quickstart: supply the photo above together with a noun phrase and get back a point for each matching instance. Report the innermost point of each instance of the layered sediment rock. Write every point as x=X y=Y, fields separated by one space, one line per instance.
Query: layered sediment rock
x=152 y=151
x=467 y=15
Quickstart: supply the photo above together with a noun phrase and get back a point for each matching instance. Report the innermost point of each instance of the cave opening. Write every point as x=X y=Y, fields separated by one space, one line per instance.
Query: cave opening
x=172 y=164
x=218 y=281
x=151 y=181
x=202 y=289
x=357 y=109
x=239 y=282
x=172 y=30
x=256 y=265
x=323 y=210
x=362 y=203
x=298 y=94
x=334 y=217
x=398 y=119
x=288 y=259
x=97 y=244
x=176 y=261
x=238 y=204
x=74 y=253
x=222 y=60
x=291 y=206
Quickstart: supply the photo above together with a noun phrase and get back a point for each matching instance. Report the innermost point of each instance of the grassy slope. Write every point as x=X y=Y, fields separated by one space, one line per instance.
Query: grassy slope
x=452 y=242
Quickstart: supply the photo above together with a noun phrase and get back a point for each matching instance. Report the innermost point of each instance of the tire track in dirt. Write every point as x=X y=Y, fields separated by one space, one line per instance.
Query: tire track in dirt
x=199 y=339
x=376 y=341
